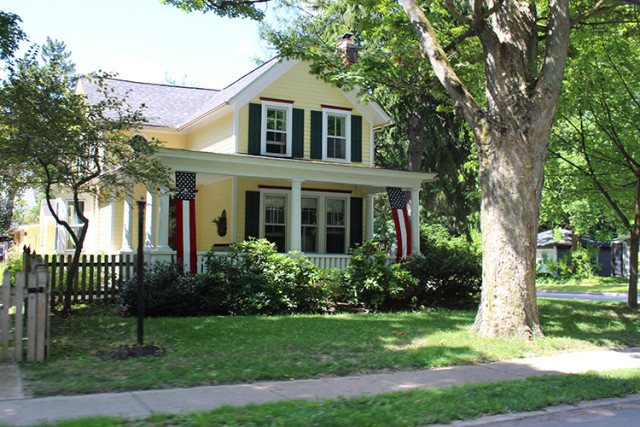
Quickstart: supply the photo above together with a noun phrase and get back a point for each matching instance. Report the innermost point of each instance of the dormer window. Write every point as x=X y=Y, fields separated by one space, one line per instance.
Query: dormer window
x=336 y=130
x=276 y=129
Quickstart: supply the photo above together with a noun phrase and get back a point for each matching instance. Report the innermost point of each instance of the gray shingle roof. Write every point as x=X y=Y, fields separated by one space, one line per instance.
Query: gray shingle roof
x=545 y=240
x=168 y=105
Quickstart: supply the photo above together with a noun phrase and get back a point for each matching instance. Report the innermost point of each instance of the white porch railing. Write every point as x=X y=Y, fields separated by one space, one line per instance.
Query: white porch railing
x=321 y=260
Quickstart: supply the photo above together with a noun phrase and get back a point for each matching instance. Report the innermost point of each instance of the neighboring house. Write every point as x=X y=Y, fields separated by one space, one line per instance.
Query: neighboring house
x=278 y=154
x=620 y=253
x=556 y=250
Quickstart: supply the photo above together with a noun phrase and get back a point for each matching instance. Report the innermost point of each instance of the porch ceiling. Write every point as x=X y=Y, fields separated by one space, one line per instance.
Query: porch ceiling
x=242 y=165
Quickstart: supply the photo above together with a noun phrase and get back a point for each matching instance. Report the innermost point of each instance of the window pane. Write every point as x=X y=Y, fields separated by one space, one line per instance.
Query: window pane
x=276 y=119
x=335 y=212
x=72 y=215
x=336 y=148
x=309 y=211
x=274 y=210
x=309 y=238
x=336 y=126
x=275 y=234
x=335 y=240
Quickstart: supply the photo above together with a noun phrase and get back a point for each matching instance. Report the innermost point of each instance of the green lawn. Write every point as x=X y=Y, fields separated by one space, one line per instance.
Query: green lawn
x=595 y=284
x=411 y=408
x=224 y=350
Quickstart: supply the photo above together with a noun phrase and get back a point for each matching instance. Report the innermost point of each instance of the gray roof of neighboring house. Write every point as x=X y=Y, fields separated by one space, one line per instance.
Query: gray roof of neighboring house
x=168 y=105
x=545 y=240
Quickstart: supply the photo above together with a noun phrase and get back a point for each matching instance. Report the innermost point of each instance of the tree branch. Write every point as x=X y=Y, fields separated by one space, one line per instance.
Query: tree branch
x=443 y=70
x=555 y=56
x=223 y=5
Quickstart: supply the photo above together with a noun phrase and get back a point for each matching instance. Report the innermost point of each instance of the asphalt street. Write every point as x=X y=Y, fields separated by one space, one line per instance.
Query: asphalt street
x=591 y=296
x=624 y=412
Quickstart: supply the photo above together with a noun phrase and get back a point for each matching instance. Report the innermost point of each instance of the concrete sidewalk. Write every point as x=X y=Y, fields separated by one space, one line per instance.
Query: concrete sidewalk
x=21 y=411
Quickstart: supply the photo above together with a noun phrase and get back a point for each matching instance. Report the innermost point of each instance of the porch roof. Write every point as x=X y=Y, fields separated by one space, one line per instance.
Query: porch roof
x=242 y=165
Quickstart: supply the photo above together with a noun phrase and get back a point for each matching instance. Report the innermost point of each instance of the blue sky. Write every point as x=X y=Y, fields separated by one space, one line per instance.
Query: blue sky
x=144 y=40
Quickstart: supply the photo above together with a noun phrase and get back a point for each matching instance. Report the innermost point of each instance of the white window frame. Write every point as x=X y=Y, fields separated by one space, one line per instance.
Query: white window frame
x=264 y=193
x=289 y=127
x=322 y=197
x=326 y=112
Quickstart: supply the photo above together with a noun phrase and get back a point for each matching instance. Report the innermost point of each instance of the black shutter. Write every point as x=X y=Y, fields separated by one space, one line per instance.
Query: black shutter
x=316 y=134
x=255 y=130
x=252 y=214
x=356 y=138
x=355 y=222
x=297 y=149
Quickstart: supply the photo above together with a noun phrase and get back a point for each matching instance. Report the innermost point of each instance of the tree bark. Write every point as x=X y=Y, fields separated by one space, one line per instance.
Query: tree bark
x=632 y=296
x=8 y=213
x=511 y=184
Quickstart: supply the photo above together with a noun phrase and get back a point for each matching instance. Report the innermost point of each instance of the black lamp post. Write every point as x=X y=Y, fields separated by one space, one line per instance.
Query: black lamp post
x=141 y=207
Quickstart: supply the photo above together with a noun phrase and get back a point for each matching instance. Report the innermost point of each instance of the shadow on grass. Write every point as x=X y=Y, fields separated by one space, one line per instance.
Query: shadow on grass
x=603 y=323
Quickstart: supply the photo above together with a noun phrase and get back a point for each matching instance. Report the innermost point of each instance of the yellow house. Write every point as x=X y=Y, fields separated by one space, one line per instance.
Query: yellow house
x=278 y=154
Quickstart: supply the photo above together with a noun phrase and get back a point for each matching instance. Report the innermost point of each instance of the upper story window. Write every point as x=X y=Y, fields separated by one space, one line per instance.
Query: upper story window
x=336 y=135
x=276 y=133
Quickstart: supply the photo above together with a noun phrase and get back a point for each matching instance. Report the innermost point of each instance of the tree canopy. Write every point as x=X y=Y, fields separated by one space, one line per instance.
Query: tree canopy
x=70 y=147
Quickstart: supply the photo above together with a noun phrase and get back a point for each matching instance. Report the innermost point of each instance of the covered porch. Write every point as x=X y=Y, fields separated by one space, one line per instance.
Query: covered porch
x=317 y=208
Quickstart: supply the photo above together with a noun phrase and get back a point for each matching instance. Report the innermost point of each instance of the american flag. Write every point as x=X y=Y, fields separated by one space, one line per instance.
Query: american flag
x=401 y=219
x=186 y=221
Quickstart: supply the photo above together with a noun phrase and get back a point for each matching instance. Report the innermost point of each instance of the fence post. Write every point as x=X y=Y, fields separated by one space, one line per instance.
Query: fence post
x=37 y=310
x=18 y=323
x=5 y=304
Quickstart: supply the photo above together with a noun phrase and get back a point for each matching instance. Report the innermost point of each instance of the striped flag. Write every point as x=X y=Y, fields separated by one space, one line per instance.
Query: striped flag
x=401 y=219
x=186 y=221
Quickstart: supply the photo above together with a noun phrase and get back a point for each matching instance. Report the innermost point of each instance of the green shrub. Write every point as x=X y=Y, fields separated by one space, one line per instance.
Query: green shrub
x=444 y=278
x=170 y=292
x=259 y=280
x=372 y=282
x=584 y=262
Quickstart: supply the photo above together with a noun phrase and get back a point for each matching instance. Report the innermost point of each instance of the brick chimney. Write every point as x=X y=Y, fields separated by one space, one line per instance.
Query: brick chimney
x=349 y=48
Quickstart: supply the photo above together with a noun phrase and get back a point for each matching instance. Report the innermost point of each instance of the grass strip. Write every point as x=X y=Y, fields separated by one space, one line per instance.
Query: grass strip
x=576 y=284
x=228 y=350
x=410 y=408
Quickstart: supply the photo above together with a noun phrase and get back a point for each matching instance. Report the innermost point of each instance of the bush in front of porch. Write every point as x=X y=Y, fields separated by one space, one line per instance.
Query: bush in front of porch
x=255 y=279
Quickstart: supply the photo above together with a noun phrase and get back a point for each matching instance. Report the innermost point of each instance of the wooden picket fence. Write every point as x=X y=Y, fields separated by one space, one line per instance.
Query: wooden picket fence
x=98 y=276
x=27 y=298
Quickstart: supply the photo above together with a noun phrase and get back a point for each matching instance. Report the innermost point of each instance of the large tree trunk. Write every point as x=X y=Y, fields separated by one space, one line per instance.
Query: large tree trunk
x=512 y=136
x=511 y=177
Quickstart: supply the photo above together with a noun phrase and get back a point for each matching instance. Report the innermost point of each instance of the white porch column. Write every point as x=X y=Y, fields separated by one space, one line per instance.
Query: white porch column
x=163 y=222
x=415 y=220
x=295 y=241
x=112 y=221
x=127 y=221
x=368 y=224
x=151 y=219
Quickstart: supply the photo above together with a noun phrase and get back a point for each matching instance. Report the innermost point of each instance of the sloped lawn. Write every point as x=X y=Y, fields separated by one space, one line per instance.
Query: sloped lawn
x=224 y=350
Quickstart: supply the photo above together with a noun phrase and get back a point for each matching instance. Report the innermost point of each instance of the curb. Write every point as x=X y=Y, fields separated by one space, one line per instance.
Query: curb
x=548 y=411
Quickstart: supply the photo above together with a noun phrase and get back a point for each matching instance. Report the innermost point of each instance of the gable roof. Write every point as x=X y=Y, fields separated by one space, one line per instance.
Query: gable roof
x=165 y=105
x=180 y=106
x=545 y=240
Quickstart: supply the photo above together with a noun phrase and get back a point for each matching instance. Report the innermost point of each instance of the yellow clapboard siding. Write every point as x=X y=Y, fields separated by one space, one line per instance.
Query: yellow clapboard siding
x=214 y=137
x=168 y=140
x=308 y=93
x=211 y=200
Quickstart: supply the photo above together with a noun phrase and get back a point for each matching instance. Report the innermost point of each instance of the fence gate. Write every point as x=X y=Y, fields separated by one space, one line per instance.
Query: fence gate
x=31 y=285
